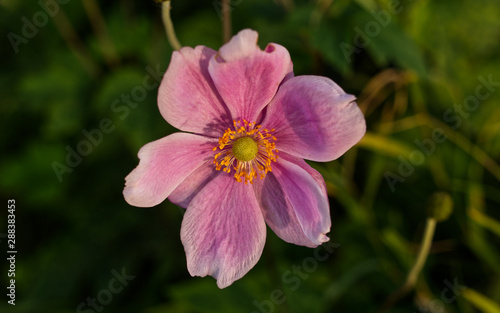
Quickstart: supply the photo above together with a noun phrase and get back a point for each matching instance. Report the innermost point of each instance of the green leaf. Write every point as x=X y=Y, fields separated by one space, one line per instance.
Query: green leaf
x=328 y=41
x=384 y=145
x=480 y=301
x=393 y=44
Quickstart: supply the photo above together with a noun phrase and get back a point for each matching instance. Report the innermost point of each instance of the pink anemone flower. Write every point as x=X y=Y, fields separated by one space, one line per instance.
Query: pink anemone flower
x=248 y=124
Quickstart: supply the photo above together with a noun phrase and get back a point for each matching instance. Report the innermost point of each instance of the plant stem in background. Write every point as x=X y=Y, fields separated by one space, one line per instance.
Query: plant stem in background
x=226 y=19
x=169 y=26
x=75 y=44
x=287 y=4
x=319 y=10
x=101 y=31
x=411 y=279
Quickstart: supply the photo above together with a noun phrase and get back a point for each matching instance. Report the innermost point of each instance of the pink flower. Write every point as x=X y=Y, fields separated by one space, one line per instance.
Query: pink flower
x=248 y=123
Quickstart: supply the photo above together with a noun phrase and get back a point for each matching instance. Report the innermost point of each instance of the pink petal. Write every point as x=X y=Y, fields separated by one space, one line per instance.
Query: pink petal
x=163 y=165
x=187 y=97
x=246 y=77
x=223 y=231
x=193 y=184
x=314 y=118
x=294 y=202
x=314 y=173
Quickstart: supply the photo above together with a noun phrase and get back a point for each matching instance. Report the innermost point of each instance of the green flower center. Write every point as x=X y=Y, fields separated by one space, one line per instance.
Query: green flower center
x=245 y=149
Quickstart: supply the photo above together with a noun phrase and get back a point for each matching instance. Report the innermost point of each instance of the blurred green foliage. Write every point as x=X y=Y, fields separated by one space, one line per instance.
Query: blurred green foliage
x=422 y=59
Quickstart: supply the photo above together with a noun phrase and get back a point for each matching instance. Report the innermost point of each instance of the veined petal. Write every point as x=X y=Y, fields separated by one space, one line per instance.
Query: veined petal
x=187 y=97
x=246 y=77
x=294 y=203
x=314 y=119
x=223 y=231
x=314 y=173
x=163 y=165
x=193 y=184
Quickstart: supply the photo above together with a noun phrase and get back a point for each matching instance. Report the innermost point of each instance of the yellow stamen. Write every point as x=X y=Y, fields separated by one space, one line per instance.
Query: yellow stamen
x=247 y=149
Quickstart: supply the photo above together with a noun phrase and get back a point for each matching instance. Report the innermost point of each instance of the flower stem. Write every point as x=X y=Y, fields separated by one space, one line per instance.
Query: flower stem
x=169 y=26
x=226 y=22
x=430 y=227
x=411 y=279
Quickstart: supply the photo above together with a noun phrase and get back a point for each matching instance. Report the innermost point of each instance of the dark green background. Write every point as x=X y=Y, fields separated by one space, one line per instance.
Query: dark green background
x=72 y=234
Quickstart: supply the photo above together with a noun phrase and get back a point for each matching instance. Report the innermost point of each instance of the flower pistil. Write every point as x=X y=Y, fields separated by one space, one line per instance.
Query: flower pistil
x=248 y=149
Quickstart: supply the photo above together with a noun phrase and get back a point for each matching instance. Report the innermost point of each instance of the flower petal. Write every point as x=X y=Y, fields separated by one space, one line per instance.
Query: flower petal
x=193 y=184
x=163 y=165
x=294 y=203
x=314 y=118
x=246 y=77
x=314 y=173
x=223 y=231
x=187 y=97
